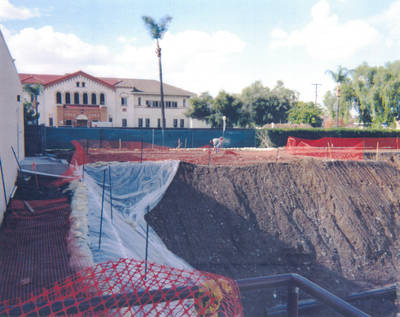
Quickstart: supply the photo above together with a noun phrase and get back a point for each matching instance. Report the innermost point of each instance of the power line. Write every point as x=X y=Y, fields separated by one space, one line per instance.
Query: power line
x=316 y=92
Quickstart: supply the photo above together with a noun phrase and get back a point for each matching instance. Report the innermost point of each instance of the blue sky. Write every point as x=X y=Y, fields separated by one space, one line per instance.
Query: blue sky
x=210 y=45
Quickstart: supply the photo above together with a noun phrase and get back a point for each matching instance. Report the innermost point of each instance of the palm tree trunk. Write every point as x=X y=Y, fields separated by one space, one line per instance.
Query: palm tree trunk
x=161 y=87
x=337 y=112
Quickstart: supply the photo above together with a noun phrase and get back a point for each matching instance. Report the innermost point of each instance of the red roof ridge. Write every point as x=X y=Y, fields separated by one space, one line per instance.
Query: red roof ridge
x=82 y=73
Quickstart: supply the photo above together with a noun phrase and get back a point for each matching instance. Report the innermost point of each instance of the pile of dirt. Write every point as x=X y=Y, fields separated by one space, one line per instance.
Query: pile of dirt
x=334 y=222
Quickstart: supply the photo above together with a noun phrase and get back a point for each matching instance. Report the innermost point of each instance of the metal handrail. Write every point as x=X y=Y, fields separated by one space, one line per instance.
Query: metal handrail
x=390 y=292
x=293 y=281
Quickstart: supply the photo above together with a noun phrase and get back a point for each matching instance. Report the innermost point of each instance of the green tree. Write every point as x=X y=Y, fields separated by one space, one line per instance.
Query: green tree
x=225 y=105
x=338 y=77
x=306 y=112
x=200 y=107
x=262 y=105
x=157 y=31
x=34 y=92
x=30 y=116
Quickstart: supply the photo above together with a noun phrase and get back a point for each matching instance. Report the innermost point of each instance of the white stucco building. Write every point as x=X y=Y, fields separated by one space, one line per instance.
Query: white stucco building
x=82 y=100
x=11 y=123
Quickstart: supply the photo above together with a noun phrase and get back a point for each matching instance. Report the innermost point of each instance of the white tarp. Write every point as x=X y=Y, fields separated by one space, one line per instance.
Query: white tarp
x=136 y=188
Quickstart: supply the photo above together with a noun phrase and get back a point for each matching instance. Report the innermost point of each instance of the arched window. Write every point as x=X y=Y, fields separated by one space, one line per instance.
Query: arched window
x=76 y=98
x=94 y=99
x=58 y=98
x=67 y=98
x=124 y=123
x=102 y=99
x=85 y=98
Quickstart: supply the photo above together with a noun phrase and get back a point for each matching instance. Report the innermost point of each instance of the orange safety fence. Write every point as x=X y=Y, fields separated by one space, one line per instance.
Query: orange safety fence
x=340 y=148
x=128 y=287
x=332 y=148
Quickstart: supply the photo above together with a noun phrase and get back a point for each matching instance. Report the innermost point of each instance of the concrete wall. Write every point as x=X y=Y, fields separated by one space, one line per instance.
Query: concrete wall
x=11 y=122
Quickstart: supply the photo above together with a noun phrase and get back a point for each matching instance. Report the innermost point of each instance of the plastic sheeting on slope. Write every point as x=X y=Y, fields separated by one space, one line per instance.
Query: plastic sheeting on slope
x=135 y=187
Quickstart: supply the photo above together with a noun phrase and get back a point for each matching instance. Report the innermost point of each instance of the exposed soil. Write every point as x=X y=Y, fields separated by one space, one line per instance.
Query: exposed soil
x=334 y=222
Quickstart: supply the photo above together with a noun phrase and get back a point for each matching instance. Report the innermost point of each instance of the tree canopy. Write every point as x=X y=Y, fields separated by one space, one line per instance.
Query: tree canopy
x=306 y=112
x=373 y=92
x=257 y=105
x=157 y=30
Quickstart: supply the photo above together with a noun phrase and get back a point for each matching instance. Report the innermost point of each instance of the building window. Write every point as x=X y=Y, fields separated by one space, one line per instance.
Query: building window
x=174 y=104
x=58 y=98
x=76 y=98
x=124 y=123
x=77 y=84
x=50 y=122
x=158 y=123
x=140 y=123
x=182 y=123
x=139 y=101
x=184 y=102
x=155 y=104
x=83 y=84
x=109 y=119
x=94 y=99
x=175 y=123
x=148 y=103
x=168 y=104
x=85 y=98
x=68 y=122
x=18 y=98
x=147 y=123
x=67 y=98
x=124 y=101
x=102 y=99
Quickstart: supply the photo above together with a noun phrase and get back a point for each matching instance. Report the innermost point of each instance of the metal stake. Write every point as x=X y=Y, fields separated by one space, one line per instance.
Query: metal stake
x=4 y=184
x=102 y=207
x=109 y=181
x=147 y=245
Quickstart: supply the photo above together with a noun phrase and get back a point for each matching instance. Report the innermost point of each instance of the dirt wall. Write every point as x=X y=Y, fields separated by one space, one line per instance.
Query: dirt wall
x=334 y=222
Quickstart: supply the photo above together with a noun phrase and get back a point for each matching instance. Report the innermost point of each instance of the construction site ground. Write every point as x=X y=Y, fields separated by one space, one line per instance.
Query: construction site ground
x=247 y=213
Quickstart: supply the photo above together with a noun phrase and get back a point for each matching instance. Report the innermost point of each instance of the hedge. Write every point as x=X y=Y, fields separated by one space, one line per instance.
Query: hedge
x=278 y=137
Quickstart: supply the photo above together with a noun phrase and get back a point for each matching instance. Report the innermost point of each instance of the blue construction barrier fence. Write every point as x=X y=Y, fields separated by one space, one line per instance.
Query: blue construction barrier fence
x=60 y=138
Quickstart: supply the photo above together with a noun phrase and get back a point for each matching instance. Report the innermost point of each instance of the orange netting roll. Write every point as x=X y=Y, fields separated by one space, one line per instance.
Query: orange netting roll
x=128 y=287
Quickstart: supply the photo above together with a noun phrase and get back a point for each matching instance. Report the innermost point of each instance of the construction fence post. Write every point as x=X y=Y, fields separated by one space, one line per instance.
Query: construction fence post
x=293 y=301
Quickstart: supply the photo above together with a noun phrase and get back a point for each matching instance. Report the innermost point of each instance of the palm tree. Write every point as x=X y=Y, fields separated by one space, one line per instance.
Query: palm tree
x=34 y=90
x=339 y=77
x=157 y=31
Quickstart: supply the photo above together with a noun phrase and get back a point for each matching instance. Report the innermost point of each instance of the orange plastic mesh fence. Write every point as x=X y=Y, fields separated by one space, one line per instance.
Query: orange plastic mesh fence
x=333 y=148
x=128 y=287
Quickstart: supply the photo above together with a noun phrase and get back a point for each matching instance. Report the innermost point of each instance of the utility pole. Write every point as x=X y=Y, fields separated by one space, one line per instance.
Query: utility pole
x=316 y=92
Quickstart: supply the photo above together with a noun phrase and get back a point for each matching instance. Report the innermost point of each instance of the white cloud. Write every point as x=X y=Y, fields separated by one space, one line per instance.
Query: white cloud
x=325 y=37
x=10 y=12
x=192 y=60
x=389 y=21
x=45 y=50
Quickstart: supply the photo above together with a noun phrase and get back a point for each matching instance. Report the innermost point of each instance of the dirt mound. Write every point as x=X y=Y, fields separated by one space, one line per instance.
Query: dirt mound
x=336 y=223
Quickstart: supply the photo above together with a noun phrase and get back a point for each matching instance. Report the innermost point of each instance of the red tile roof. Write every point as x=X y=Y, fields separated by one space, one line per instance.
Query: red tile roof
x=138 y=85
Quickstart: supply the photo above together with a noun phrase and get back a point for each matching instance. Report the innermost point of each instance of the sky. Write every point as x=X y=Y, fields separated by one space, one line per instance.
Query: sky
x=210 y=45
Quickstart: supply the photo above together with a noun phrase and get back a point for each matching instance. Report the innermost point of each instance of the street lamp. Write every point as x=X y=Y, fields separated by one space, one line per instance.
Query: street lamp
x=223 y=125
x=338 y=104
